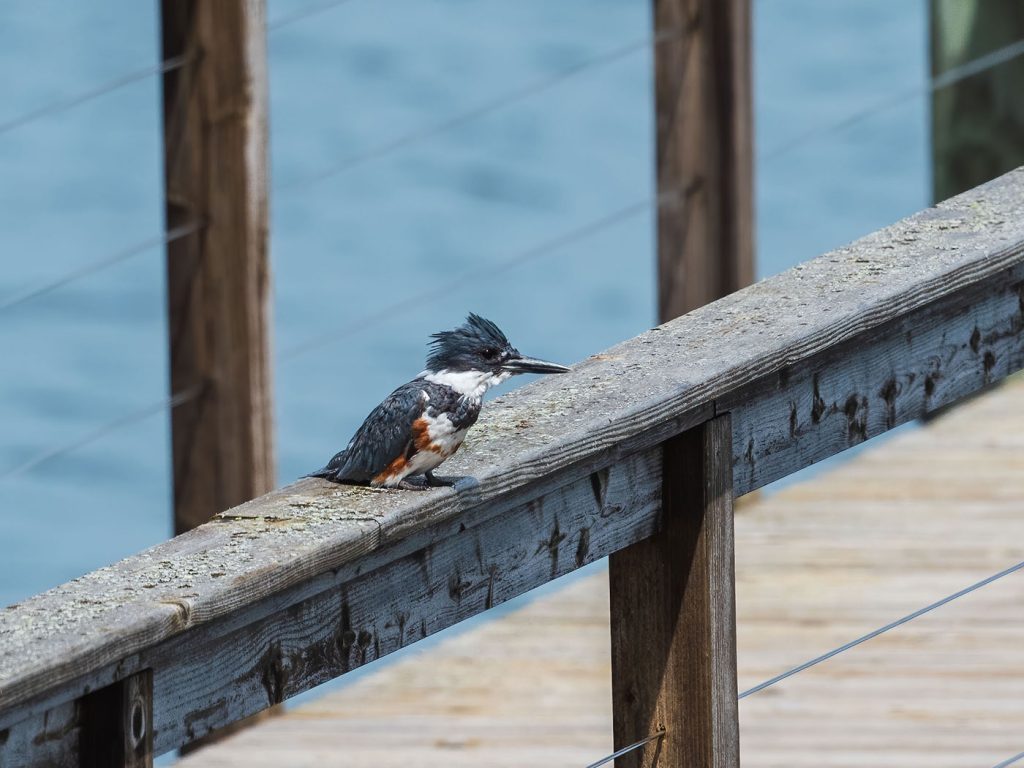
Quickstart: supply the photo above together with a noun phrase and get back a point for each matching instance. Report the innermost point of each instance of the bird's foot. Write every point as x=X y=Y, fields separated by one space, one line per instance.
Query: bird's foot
x=437 y=482
x=405 y=485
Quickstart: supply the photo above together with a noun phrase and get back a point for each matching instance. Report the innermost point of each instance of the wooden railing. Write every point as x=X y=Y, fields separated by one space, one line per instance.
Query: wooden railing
x=636 y=454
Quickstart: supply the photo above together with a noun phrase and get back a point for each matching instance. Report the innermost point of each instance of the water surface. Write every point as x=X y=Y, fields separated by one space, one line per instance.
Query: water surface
x=440 y=212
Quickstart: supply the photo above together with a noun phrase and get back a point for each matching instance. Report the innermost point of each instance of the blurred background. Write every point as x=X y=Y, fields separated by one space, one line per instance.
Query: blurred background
x=532 y=208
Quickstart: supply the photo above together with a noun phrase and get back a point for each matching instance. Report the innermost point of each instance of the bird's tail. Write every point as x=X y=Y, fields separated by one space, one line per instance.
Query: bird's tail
x=330 y=472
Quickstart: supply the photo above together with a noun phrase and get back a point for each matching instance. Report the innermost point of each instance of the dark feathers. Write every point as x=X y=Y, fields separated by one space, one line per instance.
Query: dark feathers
x=388 y=431
x=461 y=348
x=384 y=436
x=422 y=423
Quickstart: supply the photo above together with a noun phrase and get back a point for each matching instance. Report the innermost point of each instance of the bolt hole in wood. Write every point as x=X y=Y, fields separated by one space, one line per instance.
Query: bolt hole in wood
x=114 y=724
x=138 y=723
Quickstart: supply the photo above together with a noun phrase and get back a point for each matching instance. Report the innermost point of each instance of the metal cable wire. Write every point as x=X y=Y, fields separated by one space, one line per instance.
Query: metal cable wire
x=482 y=109
x=1010 y=761
x=881 y=630
x=375 y=152
x=954 y=75
x=969 y=69
x=163 y=405
x=627 y=750
x=168 y=65
x=957 y=74
x=494 y=268
x=978 y=65
x=406 y=305
x=949 y=77
x=88 y=269
x=852 y=644
x=60 y=105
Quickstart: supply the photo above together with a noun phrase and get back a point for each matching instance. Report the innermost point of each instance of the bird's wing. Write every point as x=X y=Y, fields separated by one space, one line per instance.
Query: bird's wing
x=386 y=435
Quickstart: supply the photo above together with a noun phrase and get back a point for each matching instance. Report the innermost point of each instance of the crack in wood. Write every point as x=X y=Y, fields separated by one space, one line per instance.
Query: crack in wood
x=889 y=392
x=275 y=676
x=856 y=410
x=363 y=643
x=583 y=547
x=818 y=404
x=988 y=363
x=199 y=716
x=345 y=637
x=492 y=573
x=182 y=610
x=48 y=734
x=599 y=485
x=551 y=544
x=457 y=587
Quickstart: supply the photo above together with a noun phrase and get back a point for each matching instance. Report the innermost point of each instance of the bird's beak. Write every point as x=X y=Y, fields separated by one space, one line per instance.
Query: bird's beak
x=532 y=365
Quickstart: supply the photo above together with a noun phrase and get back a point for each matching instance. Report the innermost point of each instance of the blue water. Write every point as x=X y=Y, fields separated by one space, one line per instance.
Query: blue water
x=84 y=183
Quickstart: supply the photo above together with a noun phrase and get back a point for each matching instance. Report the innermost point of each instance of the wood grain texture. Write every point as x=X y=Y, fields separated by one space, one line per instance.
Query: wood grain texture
x=43 y=740
x=673 y=615
x=901 y=371
x=262 y=557
x=234 y=668
x=218 y=279
x=245 y=667
x=705 y=169
x=910 y=519
x=116 y=724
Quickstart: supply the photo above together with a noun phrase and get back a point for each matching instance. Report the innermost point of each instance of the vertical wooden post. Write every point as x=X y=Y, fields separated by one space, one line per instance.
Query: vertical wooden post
x=704 y=119
x=673 y=615
x=218 y=279
x=978 y=122
x=116 y=724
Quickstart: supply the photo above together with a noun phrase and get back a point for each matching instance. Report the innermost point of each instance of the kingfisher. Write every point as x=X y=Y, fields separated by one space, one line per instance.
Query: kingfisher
x=423 y=422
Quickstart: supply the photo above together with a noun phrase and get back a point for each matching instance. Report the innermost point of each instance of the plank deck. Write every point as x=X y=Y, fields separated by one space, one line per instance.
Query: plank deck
x=900 y=525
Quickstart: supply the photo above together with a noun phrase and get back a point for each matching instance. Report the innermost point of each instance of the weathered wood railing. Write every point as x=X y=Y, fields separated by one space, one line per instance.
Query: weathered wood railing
x=311 y=581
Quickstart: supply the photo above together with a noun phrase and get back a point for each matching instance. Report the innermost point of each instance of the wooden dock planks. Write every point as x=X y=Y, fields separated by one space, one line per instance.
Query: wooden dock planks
x=904 y=523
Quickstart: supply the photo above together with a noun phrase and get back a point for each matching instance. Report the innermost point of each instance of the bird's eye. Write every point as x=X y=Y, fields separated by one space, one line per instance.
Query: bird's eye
x=490 y=353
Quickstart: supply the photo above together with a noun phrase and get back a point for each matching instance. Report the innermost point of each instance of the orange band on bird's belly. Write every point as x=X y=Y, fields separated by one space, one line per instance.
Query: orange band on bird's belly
x=395 y=468
x=421 y=443
x=421 y=437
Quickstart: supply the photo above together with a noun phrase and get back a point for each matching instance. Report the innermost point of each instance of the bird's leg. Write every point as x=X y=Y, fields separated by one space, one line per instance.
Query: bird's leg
x=436 y=482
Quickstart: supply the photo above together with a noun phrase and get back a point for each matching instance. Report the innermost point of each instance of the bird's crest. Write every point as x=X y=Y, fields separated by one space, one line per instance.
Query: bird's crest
x=448 y=348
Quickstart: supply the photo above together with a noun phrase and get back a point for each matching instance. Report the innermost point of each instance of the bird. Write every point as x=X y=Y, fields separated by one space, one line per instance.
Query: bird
x=423 y=422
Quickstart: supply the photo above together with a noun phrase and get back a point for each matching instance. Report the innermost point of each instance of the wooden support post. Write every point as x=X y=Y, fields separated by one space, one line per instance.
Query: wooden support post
x=978 y=122
x=116 y=724
x=673 y=615
x=218 y=279
x=705 y=134
x=672 y=596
